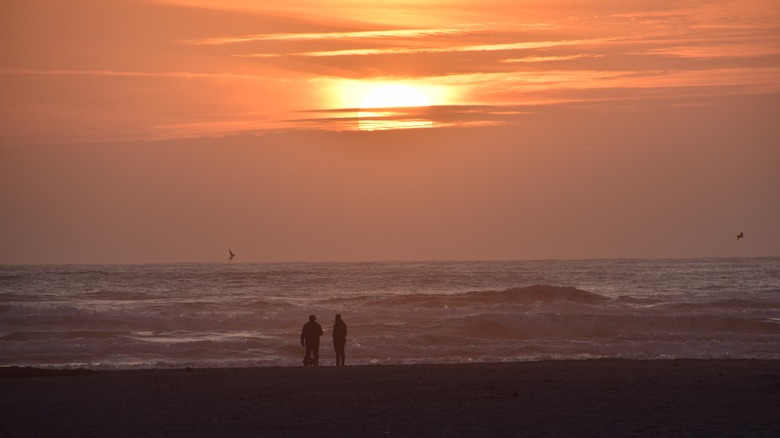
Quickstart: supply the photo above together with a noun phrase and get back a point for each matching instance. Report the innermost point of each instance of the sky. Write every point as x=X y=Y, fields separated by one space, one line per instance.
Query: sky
x=166 y=131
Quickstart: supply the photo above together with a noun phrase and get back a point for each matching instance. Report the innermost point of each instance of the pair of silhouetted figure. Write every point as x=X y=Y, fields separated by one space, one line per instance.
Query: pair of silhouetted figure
x=310 y=339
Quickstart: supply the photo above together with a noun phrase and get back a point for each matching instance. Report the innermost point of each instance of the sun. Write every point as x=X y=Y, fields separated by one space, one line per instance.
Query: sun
x=393 y=106
x=394 y=96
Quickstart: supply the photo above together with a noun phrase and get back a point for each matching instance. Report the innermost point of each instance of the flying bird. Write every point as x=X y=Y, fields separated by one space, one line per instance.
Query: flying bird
x=741 y=235
x=230 y=257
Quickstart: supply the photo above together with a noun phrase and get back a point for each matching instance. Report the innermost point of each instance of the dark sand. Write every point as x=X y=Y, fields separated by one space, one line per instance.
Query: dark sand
x=550 y=398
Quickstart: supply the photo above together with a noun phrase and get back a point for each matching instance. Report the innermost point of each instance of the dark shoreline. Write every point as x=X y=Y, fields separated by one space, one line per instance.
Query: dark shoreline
x=15 y=372
x=606 y=397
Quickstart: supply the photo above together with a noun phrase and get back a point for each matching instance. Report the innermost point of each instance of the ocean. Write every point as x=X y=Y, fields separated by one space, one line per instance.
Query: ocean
x=247 y=315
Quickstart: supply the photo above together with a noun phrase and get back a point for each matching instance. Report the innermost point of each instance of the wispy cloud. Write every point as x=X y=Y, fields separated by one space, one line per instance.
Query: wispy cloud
x=134 y=74
x=323 y=36
x=716 y=51
x=434 y=50
x=549 y=58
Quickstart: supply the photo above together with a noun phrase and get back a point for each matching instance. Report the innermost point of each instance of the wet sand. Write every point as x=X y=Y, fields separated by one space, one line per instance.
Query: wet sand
x=549 y=398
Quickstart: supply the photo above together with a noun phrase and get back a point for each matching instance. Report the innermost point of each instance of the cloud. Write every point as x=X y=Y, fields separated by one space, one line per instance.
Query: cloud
x=523 y=45
x=303 y=36
x=203 y=69
x=129 y=74
x=549 y=58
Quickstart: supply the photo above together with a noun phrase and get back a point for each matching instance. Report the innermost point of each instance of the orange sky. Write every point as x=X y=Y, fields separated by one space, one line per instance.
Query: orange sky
x=170 y=130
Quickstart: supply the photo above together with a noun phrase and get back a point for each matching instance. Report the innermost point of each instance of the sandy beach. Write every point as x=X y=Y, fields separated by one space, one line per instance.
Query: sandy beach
x=549 y=398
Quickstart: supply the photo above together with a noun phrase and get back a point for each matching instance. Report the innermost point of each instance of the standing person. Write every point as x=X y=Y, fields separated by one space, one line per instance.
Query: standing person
x=339 y=339
x=310 y=338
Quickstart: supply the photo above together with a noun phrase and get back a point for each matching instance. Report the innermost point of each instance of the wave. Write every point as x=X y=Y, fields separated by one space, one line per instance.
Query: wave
x=43 y=336
x=491 y=336
x=538 y=293
x=730 y=304
x=582 y=326
x=531 y=295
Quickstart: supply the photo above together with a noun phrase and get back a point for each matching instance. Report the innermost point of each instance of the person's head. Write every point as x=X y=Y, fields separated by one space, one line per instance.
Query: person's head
x=338 y=316
x=312 y=318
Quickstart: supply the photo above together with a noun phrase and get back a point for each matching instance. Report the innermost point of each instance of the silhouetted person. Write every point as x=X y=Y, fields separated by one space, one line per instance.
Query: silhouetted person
x=339 y=340
x=310 y=338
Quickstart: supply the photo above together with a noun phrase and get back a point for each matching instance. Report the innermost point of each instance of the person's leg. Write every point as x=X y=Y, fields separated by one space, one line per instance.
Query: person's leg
x=308 y=354
x=316 y=351
x=340 y=356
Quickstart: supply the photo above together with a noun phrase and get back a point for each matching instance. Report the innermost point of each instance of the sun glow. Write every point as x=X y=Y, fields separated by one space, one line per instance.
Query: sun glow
x=381 y=105
x=394 y=96
x=393 y=106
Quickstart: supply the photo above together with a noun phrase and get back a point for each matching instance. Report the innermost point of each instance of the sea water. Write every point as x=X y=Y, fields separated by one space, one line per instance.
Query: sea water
x=237 y=315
